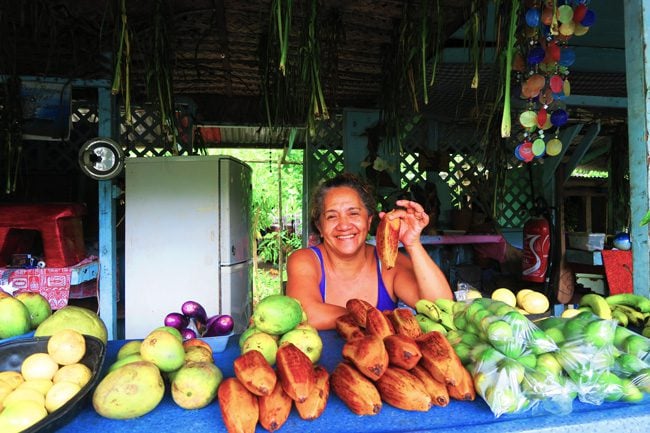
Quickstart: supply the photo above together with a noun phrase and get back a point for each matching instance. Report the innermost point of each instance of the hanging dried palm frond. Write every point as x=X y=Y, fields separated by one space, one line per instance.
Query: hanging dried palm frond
x=159 y=72
x=311 y=71
x=122 y=69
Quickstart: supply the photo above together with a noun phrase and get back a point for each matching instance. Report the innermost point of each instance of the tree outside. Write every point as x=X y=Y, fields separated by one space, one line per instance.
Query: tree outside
x=276 y=233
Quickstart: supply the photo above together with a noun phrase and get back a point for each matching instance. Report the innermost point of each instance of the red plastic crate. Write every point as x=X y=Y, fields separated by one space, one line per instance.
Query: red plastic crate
x=59 y=224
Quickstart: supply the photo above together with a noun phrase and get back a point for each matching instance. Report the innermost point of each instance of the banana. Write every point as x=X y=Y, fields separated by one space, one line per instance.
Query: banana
x=633 y=300
x=620 y=317
x=598 y=305
x=446 y=305
x=635 y=317
x=428 y=308
x=427 y=324
x=447 y=320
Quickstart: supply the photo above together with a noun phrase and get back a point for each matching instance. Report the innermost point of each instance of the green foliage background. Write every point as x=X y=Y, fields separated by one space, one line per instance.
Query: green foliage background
x=266 y=211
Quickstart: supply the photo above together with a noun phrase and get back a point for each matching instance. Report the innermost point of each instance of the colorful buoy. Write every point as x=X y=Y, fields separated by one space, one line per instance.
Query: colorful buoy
x=528 y=119
x=553 y=147
x=565 y=14
x=532 y=17
x=559 y=117
x=556 y=83
x=539 y=147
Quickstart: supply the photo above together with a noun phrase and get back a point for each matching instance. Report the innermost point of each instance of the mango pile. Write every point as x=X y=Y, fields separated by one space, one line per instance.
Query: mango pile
x=22 y=312
x=280 y=319
x=135 y=382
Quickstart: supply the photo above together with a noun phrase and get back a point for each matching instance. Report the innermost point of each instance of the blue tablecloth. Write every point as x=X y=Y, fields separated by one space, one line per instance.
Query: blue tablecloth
x=465 y=417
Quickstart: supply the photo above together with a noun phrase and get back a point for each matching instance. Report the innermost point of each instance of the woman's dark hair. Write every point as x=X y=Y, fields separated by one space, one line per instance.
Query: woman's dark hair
x=344 y=179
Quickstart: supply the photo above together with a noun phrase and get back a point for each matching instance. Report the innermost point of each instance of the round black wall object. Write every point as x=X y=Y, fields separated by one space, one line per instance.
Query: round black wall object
x=101 y=158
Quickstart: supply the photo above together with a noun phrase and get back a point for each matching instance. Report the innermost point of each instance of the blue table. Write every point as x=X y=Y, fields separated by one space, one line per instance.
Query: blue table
x=465 y=417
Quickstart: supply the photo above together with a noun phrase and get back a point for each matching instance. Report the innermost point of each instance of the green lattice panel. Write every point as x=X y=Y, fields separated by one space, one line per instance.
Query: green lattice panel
x=143 y=136
x=514 y=200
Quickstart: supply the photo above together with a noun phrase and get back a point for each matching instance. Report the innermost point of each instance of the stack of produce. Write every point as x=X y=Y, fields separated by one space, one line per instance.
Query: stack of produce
x=135 y=382
x=193 y=321
x=22 y=312
x=628 y=309
x=46 y=382
x=507 y=354
x=279 y=337
x=518 y=365
x=280 y=319
x=388 y=358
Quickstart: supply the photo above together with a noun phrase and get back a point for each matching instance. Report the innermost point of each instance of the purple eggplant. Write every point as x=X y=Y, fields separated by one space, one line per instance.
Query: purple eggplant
x=194 y=310
x=221 y=324
x=188 y=333
x=177 y=320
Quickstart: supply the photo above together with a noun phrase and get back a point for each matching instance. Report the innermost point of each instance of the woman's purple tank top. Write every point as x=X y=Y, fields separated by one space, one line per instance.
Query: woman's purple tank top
x=384 y=301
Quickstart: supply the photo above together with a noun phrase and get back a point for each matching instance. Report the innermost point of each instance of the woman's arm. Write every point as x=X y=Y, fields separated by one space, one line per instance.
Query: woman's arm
x=416 y=276
x=430 y=282
x=303 y=277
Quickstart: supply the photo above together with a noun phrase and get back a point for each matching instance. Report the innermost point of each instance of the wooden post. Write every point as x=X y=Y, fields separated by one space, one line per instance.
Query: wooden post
x=637 y=69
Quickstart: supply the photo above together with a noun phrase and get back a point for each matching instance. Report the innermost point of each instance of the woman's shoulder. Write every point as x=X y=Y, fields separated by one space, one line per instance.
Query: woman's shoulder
x=302 y=254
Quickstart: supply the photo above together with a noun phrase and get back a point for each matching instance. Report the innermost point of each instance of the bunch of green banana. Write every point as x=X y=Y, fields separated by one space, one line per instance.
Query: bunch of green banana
x=597 y=304
x=631 y=309
x=435 y=315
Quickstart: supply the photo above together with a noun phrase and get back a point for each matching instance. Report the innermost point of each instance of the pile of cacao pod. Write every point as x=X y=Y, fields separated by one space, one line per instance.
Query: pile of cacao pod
x=388 y=358
x=258 y=393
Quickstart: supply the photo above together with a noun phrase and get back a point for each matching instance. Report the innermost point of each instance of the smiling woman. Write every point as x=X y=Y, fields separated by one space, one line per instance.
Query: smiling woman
x=343 y=266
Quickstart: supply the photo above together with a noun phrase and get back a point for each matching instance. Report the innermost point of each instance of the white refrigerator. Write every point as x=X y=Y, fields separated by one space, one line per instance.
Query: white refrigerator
x=188 y=236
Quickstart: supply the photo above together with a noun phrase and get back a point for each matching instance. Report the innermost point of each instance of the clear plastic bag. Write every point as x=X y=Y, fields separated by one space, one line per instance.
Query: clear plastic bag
x=508 y=386
x=501 y=348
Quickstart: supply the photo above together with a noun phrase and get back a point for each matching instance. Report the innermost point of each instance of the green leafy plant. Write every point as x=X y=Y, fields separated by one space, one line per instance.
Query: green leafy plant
x=273 y=243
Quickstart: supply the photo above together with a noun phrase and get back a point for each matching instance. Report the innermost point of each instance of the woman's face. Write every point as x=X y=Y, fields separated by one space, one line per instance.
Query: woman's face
x=345 y=222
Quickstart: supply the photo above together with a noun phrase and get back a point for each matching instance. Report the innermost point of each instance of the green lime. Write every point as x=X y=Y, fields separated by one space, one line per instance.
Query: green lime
x=539 y=342
x=482 y=382
x=610 y=386
x=555 y=334
x=517 y=320
x=575 y=328
x=460 y=321
x=504 y=309
x=512 y=349
x=474 y=308
x=620 y=334
x=470 y=339
x=529 y=360
x=630 y=365
x=500 y=331
x=547 y=363
x=463 y=351
x=600 y=332
x=512 y=369
x=637 y=345
x=477 y=351
x=489 y=356
x=631 y=393
x=551 y=322
x=479 y=316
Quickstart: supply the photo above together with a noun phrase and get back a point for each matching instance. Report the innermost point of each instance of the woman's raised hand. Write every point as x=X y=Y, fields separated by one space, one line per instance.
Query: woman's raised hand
x=414 y=220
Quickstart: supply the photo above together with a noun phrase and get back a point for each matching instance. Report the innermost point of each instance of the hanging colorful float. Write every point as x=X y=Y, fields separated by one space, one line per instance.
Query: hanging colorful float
x=541 y=62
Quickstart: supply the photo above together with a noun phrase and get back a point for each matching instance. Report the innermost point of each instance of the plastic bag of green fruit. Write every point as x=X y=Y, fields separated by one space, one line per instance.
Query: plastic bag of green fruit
x=508 y=386
x=503 y=327
x=591 y=354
